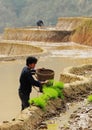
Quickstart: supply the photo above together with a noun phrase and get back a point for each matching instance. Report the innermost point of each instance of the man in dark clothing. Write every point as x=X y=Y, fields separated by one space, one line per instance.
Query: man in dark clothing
x=27 y=81
x=40 y=23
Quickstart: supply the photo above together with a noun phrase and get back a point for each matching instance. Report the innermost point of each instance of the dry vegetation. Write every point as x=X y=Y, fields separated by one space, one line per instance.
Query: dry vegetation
x=83 y=33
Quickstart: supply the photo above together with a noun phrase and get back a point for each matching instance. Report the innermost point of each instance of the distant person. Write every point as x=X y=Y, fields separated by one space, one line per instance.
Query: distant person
x=27 y=81
x=40 y=23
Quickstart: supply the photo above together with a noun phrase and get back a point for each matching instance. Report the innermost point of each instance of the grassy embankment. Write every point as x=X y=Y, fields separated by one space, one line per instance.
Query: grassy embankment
x=83 y=33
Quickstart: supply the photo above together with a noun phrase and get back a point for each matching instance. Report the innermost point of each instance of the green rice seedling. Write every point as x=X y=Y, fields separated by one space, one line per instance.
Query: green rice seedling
x=40 y=102
x=50 y=83
x=60 y=93
x=58 y=84
x=89 y=98
x=45 y=97
x=50 y=92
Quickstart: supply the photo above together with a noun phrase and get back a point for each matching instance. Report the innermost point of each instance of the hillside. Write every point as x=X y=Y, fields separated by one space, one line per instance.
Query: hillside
x=80 y=27
x=76 y=29
x=18 y=13
x=83 y=33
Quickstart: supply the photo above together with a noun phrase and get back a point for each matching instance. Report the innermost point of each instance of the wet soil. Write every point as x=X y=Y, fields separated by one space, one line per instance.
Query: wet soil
x=76 y=115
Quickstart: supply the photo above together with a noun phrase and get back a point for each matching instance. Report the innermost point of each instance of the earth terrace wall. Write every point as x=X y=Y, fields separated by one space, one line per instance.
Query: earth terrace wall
x=76 y=81
x=81 y=28
x=70 y=23
x=31 y=117
x=12 y=50
x=36 y=34
x=83 y=33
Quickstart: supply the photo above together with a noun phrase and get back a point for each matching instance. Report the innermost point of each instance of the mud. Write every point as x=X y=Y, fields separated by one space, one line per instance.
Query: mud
x=77 y=116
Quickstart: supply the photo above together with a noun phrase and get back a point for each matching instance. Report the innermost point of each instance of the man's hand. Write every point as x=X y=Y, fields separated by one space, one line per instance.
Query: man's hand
x=44 y=82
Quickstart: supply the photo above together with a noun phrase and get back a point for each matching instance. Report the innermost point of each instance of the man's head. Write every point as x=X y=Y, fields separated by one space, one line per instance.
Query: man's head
x=31 y=61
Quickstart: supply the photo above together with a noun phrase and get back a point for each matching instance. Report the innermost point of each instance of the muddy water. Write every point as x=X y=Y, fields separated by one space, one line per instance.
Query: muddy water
x=57 y=123
x=58 y=57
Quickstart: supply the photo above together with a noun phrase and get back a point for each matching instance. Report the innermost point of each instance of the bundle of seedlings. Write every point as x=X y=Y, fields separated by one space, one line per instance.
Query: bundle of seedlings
x=51 y=90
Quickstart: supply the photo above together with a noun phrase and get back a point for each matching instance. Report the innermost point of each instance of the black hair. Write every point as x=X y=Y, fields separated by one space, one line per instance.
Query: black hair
x=31 y=60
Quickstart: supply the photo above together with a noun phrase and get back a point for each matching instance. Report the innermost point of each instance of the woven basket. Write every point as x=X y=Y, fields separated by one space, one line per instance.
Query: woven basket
x=45 y=74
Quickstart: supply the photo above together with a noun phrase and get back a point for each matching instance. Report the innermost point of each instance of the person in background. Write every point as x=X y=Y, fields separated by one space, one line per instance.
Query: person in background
x=27 y=81
x=40 y=23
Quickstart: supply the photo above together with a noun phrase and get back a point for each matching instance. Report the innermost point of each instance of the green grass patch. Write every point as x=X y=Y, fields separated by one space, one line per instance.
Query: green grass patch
x=89 y=98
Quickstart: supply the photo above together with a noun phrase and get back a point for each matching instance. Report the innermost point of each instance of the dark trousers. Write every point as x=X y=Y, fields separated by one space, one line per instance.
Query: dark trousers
x=24 y=100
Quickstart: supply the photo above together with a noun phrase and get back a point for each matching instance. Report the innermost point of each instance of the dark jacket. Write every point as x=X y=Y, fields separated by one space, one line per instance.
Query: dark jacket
x=27 y=81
